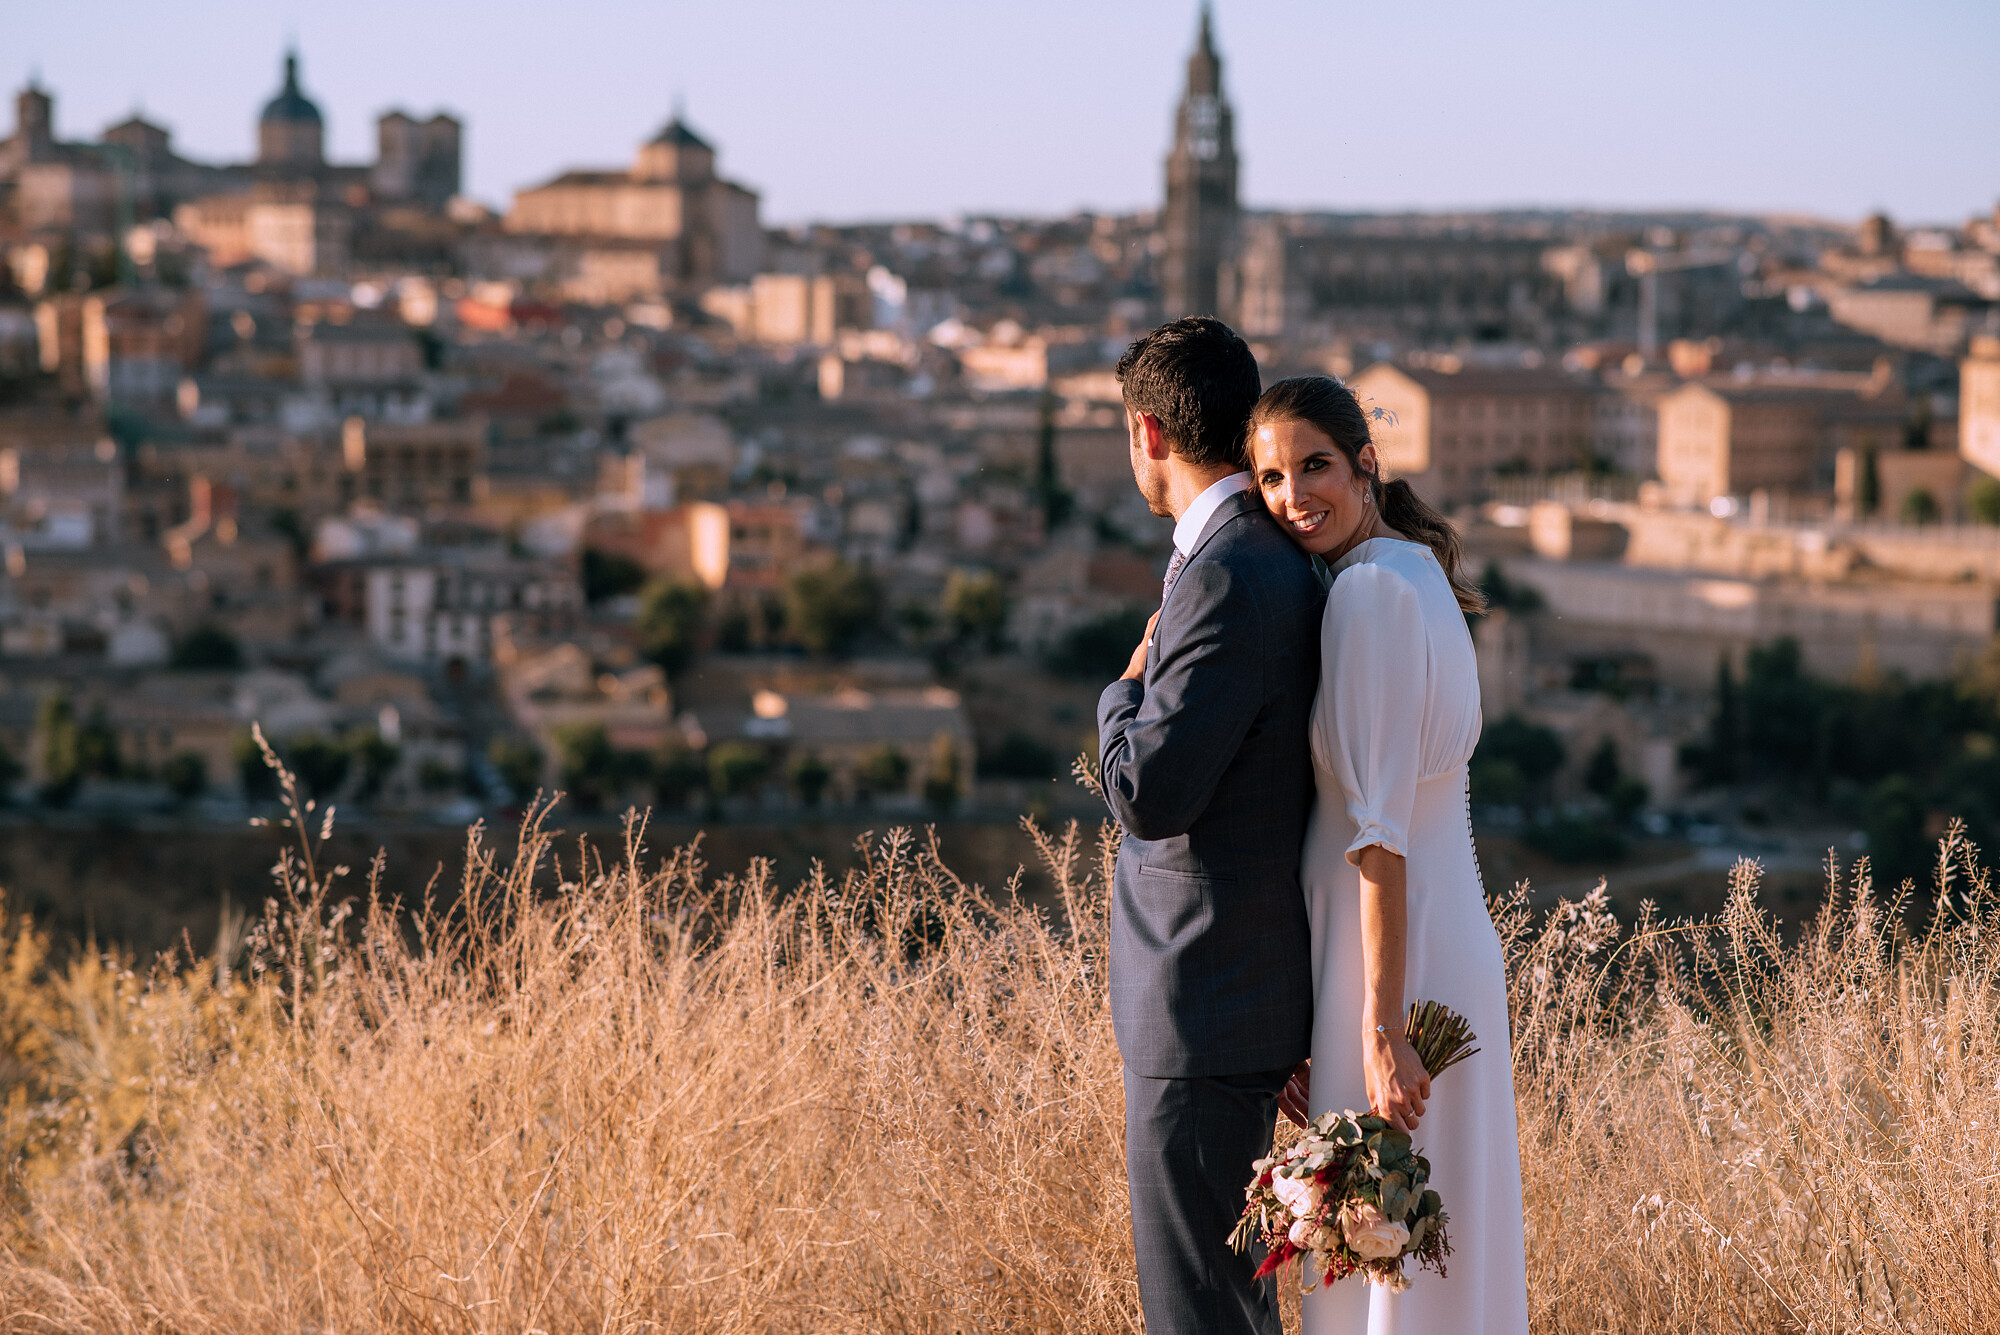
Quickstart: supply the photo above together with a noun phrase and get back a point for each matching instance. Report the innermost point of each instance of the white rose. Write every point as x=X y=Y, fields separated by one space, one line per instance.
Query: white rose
x=1300 y=1194
x=1310 y=1234
x=1371 y=1235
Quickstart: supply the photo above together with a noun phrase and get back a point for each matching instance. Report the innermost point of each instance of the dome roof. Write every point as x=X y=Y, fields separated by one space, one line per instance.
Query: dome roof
x=678 y=134
x=290 y=104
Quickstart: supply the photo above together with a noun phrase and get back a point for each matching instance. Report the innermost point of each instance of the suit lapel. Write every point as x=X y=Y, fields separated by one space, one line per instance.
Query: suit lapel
x=1233 y=507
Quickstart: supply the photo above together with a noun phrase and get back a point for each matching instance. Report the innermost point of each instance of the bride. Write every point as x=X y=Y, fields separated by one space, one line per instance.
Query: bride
x=1389 y=871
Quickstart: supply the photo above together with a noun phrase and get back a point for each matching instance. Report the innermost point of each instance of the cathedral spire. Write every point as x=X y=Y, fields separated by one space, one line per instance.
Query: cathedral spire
x=1204 y=65
x=1200 y=215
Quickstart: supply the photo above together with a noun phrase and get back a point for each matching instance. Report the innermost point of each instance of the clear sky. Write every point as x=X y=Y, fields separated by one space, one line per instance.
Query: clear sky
x=908 y=108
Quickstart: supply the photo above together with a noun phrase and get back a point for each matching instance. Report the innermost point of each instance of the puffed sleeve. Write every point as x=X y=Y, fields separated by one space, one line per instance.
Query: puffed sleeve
x=1374 y=677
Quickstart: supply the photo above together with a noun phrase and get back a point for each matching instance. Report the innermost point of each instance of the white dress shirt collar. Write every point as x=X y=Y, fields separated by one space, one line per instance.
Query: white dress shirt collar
x=1187 y=529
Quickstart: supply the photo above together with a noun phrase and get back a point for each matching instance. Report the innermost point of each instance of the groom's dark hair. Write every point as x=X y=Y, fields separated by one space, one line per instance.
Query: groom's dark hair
x=1200 y=380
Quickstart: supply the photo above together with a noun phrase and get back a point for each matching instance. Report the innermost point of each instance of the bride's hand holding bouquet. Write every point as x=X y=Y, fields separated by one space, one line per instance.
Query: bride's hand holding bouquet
x=1352 y=1196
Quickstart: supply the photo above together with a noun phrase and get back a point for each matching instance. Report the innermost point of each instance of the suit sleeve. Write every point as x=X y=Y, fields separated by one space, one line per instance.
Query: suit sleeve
x=1368 y=723
x=1164 y=744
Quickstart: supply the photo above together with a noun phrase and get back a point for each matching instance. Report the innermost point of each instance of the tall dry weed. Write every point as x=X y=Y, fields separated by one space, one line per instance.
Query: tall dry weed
x=1727 y=1129
x=626 y=1095
x=581 y=1095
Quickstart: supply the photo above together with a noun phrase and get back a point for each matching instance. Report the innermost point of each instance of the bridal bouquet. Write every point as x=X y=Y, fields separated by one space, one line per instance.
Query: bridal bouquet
x=1351 y=1196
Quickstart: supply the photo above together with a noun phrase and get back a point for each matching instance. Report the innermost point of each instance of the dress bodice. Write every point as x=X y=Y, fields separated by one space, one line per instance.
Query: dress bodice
x=1398 y=701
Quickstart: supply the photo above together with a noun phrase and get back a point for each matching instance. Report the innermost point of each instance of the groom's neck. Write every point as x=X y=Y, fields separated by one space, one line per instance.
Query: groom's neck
x=1186 y=482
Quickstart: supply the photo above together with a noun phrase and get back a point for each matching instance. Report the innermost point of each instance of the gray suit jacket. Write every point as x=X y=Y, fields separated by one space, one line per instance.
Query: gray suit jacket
x=1206 y=763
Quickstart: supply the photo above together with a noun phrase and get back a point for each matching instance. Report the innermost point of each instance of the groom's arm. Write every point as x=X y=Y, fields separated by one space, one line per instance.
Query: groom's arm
x=1165 y=740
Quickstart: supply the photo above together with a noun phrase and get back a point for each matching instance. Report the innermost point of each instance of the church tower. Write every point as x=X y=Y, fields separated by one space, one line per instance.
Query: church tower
x=1200 y=216
x=291 y=134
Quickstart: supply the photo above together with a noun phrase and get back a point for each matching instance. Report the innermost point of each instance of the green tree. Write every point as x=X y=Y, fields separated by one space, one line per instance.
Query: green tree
x=883 y=772
x=1627 y=798
x=320 y=763
x=55 y=733
x=737 y=769
x=435 y=776
x=1893 y=815
x=941 y=778
x=1054 y=497
x=607 y=575
x=185 y=774
x=918 y=621
x=679 y=772
x=591 y=771
x=670 y=620
x=733 y=631
x=10 y=772
x=976 y=603
x=1624 y=795
x=828 y=607
x=520 y=764
x=207 y=648
x=1497 y=783
x=1502 y=592
x=286 y=523
x=1019 y=756
x=1867 y=483
x=253 y=771
x=1920 y=507
x=810 y=776
x=1535 y=753
x=1717 y=761
x=376 y=756
x=1573 y=840
x=1098 y=650
x=1917 y=430
x=1785 y=712
x=97 y=748
x=1982 y=499
x=1601 y=773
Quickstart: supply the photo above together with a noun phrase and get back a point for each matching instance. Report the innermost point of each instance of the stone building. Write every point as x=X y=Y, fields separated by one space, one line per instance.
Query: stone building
x=1979 y=404
x=1726 y=438
x=706 y=228
x=1401 y=280
x=415 y=465
x=417 y=160
x=1199 y=221
x=1450 y=429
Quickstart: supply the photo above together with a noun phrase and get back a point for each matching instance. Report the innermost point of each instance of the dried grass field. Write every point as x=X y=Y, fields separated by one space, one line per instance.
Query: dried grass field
x=606 y=1091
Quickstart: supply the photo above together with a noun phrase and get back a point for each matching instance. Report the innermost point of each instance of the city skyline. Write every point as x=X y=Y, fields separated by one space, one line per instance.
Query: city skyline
x=1829 y=118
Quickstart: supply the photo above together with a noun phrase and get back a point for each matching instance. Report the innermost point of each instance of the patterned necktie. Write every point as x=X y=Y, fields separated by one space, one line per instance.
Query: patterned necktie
x=1173 y=573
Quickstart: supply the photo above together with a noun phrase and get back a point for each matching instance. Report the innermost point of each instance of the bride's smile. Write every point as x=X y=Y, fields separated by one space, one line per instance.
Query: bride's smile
x=1309 y=486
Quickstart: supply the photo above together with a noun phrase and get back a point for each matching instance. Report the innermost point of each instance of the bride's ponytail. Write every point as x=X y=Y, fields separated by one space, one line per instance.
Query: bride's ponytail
x=1330 y=407
x=1409 y=514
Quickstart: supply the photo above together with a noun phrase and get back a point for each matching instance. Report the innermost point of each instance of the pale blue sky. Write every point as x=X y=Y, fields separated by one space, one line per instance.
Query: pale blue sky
x=899 y=108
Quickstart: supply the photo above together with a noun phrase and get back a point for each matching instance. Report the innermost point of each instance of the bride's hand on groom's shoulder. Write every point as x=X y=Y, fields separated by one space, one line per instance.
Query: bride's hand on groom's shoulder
x=1136 y=669
x=1398 y=1085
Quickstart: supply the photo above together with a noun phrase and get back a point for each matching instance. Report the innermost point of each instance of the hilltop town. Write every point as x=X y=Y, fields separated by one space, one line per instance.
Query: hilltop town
x=618 y=490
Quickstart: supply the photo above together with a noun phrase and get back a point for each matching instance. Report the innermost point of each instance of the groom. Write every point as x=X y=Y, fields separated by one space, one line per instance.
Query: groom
x=1205 y=763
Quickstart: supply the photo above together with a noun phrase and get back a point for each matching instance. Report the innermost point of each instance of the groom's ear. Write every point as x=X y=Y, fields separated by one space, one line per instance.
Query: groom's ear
x=1151 y=437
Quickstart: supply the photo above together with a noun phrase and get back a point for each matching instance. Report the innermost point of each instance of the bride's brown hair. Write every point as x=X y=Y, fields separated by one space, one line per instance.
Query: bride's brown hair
x=1329 y=407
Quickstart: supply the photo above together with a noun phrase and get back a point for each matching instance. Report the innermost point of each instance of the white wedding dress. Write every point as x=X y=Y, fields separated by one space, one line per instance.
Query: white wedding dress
x=1393 y=727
